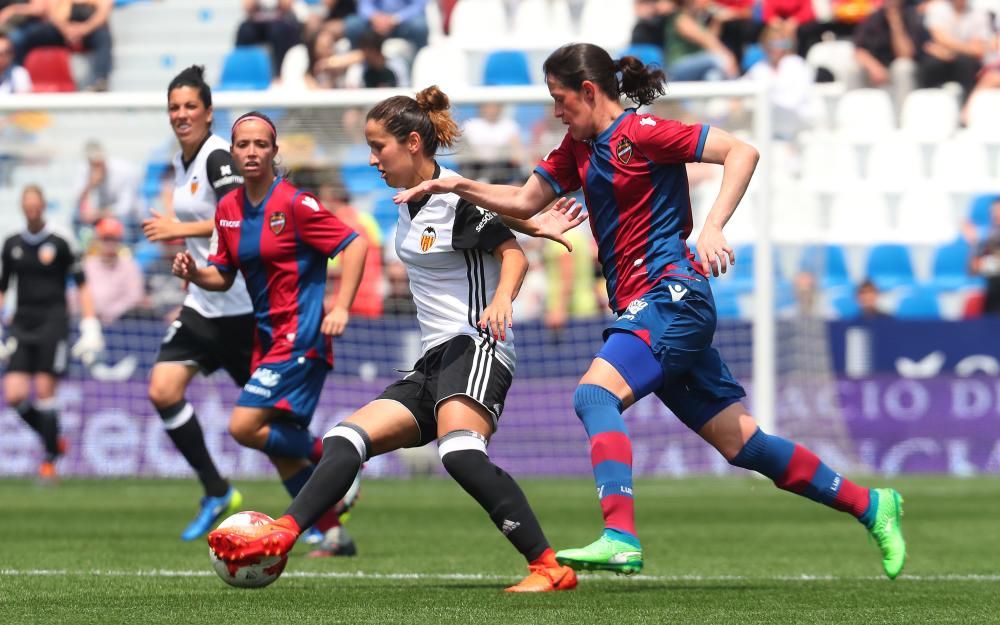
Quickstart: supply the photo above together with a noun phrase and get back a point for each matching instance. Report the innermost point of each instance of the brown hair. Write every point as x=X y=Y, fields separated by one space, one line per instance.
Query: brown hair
x=574 y=63
x=428 y=115
x=33 y=188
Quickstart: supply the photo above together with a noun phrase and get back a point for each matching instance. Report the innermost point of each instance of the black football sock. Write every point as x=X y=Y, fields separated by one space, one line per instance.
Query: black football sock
x=183 y=428
x=333 y=476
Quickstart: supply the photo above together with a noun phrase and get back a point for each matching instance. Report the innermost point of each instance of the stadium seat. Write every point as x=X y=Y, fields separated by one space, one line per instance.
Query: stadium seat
x=961 y=165
x=607 y=24
x=929 y=115
x=926 y=216
x=889 y=266
x=796 y=215
x=478 y=24
x=980 y=208
x=865 y=115
x=539 y=22
x=50 y=72
x=860 y=216
x=919 y=304
x=828 y=263
x=727 y=304
x=360 y=178
x=893 y=164
x=845 y=306
x=830 y=165
x=983 y=118
x=294 y=68
x=950 y=269
x=506 y=67
x=838 y=58
x=152 y=181
x=647 y=53
x=441 y=65
x=246 y=68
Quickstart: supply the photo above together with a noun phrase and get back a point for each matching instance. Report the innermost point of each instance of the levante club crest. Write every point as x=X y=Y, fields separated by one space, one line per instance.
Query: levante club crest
x=277 y=223
x=427 y=238
x=624 y=151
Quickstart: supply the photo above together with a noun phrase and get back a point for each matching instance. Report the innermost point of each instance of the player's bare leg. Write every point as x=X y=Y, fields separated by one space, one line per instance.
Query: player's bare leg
x=792 y=467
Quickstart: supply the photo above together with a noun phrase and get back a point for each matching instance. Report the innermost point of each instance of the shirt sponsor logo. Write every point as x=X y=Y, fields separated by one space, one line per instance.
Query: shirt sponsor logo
x=487 y=216
x=256 y=390
x=637 y=306
x=427 y=238
x=624 y=151
x=277 y=222
x=229 y=223
x=46 y=253
x=266 y=377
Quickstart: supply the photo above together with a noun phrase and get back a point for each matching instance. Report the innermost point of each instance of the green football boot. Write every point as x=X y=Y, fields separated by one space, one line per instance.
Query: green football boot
x=888 y=531
x=604 y=554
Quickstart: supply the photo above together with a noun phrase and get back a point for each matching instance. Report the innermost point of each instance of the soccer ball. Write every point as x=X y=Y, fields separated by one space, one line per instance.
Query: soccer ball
x=251 y=573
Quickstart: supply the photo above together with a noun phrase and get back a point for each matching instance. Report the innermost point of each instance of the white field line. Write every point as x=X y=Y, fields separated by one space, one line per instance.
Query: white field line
x=479 y=576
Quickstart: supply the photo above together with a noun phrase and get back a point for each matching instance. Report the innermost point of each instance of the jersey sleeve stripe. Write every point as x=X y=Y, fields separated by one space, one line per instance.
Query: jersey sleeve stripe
x=343 y=244
x=222 y=266
x=701 y=142
x=550 y=179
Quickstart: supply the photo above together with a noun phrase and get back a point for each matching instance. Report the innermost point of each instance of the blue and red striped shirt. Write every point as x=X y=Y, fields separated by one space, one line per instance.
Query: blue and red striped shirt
x=637 y=195
x=281 y=246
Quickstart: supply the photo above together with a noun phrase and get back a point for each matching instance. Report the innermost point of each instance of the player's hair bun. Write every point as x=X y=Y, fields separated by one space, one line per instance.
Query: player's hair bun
x=432 y=99
x=641 y=83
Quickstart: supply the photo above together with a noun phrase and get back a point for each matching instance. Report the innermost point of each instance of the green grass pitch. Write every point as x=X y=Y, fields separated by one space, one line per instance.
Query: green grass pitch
x=717 y=551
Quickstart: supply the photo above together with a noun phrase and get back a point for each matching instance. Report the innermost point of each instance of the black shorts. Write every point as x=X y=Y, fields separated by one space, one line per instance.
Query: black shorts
x=460 y=366
x=42 y=342
x=210 y=343
x=48 y=355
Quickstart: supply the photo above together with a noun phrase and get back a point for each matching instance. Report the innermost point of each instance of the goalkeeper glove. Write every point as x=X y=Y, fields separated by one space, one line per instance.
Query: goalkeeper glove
x=91 y=341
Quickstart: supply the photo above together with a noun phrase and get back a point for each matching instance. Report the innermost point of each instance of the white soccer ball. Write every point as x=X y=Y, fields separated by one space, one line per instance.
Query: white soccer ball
x=251 y=573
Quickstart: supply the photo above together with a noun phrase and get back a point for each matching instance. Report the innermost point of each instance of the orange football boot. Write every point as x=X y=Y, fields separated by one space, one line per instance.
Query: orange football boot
x=238 y=543
x=544 y=578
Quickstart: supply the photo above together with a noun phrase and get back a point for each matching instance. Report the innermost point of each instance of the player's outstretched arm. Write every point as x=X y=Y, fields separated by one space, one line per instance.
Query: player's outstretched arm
x=564 y=215
x=738 y=160
x=353 y=258
x=208 y=278
x=522 y=202
x=499 y=315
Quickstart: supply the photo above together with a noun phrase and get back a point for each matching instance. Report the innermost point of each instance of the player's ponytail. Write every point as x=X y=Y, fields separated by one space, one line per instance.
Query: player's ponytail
x=428 y=115
x=574 y=63
x=436 y=104
x=194 y=77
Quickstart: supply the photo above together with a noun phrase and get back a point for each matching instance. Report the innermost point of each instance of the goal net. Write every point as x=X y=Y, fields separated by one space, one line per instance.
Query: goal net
x=559 y=315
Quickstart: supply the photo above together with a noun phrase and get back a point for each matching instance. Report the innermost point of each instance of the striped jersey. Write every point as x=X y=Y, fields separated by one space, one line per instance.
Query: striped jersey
x=446 y=244
x=198 y=187
x=281 y=247
x=637 y=196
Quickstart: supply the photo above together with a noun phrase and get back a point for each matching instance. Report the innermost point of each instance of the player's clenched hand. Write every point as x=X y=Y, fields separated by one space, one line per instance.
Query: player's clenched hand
x=158 y=227
x=564 y=215
x=497 y=317
x=335 y=321
x=427 y=187
x=714 y=251
x=184 y=266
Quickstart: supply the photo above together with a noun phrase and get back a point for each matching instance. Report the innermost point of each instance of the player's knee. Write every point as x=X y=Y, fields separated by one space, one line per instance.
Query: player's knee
x=345 y=439
x=589 y=396
x=163 y=394
x=246 y=433
x=461 y=450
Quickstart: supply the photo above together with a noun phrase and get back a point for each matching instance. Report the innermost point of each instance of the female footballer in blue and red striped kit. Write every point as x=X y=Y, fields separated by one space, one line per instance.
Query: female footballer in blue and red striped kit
x=632 y=170
x=280 y=239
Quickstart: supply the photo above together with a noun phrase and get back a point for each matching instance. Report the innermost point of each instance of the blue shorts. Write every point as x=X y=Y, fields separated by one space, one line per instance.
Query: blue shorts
x=293 y=386
x=675 y=322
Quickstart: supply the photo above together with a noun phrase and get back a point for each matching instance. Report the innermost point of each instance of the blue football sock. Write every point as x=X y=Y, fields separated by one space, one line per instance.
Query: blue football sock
x=295 y=483
x=288 y=441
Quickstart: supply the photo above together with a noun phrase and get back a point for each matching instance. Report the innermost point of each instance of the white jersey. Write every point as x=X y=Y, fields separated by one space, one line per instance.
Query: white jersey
x=198 y=187
x=446 y=244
